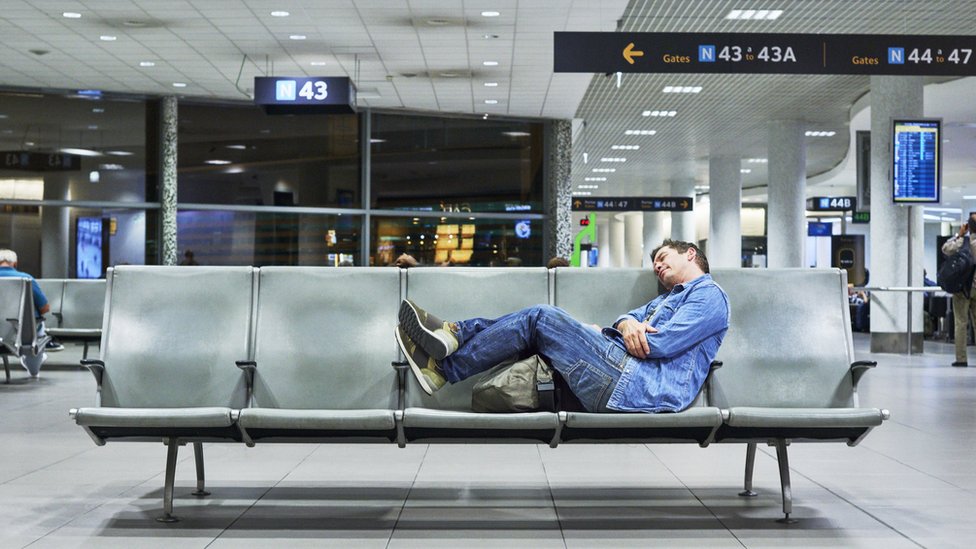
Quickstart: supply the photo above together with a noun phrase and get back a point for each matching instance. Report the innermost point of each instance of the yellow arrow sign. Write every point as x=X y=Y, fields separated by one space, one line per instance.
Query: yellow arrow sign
x=630 y=53
x=684 y=203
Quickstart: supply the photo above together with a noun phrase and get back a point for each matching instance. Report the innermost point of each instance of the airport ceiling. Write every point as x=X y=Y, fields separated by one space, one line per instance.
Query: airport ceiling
x=432 y=55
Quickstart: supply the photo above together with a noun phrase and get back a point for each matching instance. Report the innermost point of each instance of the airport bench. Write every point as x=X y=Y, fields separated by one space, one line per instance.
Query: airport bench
x=175 y=371
x=78 y=307
x=18 y=325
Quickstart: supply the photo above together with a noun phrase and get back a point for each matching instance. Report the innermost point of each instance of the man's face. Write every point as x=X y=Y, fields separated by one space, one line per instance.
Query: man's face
x=672 y=267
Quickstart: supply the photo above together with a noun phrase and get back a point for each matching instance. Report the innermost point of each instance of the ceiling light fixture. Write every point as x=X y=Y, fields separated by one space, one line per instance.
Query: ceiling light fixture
x=682 y=89
x=640 y=132
x=317 y=63
x=490 y=14
x=71 y=15
x=625 y=147
x=668 y=114
x=489 y=36
x=179 y=84
x=491 y=84
x=820 y=134
x=107 y=38
x=594 y=179
x=79 y=152
x=217 y=162
x=237 y=147
x=98 y=110
x=754 y=15
x=280 y=13
x=490 y=63
x=757 y=160
x=604 y=170
x=297 y=36
x=146 y=64
x=517 y=134
x=582 y=193
x=613 y=159
x=745 y=170
x=491 y=101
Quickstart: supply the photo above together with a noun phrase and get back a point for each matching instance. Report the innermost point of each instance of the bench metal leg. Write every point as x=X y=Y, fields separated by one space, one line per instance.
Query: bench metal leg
x=198 y=458
x=84 y=353
x=171 y=447
x=750 y=467
x=6 y=367
x=784 y=480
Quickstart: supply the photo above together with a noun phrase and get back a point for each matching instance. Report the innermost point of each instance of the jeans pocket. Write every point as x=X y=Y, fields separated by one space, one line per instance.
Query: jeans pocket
x=590 y=385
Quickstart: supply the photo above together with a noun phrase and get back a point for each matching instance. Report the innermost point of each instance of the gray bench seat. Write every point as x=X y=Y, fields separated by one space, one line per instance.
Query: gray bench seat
x=79 y=310
x=156 y=418
x=697 y=423
x=744 y=417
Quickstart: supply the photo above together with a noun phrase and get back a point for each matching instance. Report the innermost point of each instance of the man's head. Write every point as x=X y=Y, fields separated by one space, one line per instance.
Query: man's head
x=677 y=262
x=8 y=258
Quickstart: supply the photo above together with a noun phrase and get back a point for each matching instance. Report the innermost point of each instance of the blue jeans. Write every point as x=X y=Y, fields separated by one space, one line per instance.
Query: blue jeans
x=590 y=362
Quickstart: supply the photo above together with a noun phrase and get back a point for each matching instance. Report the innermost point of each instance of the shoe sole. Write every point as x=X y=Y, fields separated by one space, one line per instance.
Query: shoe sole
x=428 y=340
x=413 y=365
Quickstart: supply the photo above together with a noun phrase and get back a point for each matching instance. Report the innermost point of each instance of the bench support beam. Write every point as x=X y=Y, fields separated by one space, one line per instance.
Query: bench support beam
x=6 y=367
x=750 y=467
x=784 y=480
x=198 y=458
x=171 y=448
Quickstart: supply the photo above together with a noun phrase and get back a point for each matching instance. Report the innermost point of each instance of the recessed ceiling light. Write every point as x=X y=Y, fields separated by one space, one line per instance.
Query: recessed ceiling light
x=669 y=114
x=517 y=134
x=217 y=162
x=376 y=140
x=594 y=178
x=179 y=84
x=280 y=13
x=146 y=64
x=491 y=84
x=119 y=153
x=71 y=15
x=317 y=63
x=820 y=134
x=107 y=38
x=745 y=170
x=111 y=167
x=682 y=89
x=297 y=36
x=489 y=36
x=757 y=160
x=640 y=132
x=491 y=101
x=604 y=170
x=613 y=159
x=490 y=14
x=754 y=15
x=625 y=147
x=98 y=110
x=93 y=126
x=582 y=193
x=490 y=63
x=79 y=152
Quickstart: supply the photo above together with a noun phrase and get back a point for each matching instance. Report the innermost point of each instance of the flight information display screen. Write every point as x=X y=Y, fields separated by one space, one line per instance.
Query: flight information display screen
x=916 y=161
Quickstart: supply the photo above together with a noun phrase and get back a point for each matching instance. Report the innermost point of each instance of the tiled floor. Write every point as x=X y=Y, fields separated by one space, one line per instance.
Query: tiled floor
x=911 y=483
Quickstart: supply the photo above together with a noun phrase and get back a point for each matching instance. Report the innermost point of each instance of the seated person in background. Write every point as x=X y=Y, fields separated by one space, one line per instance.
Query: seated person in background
x=8 y=268
x=405 y=261
x=557 y=262
x=654 y=358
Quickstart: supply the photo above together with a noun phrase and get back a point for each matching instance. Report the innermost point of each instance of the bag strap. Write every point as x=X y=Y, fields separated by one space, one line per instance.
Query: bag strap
x=545 y=386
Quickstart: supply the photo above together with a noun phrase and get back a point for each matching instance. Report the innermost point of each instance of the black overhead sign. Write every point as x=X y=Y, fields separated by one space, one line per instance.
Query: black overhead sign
x=831 y=203
x=40 y=162
x=748 y=53
x=305 y=95
x=634 y=204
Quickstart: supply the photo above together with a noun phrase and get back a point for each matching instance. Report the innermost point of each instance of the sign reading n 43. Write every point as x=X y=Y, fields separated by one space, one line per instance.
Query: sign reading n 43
x=317 y=90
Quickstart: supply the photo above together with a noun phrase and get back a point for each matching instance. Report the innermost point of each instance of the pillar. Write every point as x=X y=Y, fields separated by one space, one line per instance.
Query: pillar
x=785 y=243
x=55 y=226
x=633 y=239
x=683 y=223
x=617 y=252
x=891 y=224
x=603 y=243
x=559 y=148
x=725 y=212
x=167 y=180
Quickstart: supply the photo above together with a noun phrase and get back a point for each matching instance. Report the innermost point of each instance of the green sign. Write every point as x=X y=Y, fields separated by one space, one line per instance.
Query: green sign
x=861 y=217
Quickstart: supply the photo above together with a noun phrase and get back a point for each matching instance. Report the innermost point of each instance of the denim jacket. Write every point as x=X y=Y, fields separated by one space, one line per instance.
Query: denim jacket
x=691 y=321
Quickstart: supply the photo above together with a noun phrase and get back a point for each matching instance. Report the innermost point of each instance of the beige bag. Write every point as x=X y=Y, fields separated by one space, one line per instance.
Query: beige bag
x=523 y=386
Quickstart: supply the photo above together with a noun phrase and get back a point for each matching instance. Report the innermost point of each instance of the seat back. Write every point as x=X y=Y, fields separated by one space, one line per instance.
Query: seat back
x=172 y=336
x=599 y=296
x=15 y=316
x=324 y=338
x=459 y=293
x=53 y=289
x=789 y=343
x=83 y=305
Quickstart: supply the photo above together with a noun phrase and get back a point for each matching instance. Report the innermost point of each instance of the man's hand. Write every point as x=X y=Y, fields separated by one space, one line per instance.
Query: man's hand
x=634 y=336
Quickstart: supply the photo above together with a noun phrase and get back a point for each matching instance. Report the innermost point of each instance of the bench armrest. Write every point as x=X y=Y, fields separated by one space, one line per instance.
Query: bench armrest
x=859 y=368
x=248 y=367
x=97 y=368
x=60 y=318
x=401 y=367
x=715 y=365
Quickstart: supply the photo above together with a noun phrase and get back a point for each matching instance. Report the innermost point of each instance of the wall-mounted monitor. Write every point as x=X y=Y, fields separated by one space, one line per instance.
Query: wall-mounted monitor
x=916 y=160
x=91 y=254
x=817 y=228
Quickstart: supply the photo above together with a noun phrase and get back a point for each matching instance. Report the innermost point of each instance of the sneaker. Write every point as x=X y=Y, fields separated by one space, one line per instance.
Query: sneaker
x=423 y=366
x=53 y=346
x=428 y=331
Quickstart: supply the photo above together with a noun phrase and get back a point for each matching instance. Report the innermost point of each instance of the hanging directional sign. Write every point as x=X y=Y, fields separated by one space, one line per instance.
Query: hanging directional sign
x=831 y=203
x=633 y=204
x=305 y=95
x=750 y=53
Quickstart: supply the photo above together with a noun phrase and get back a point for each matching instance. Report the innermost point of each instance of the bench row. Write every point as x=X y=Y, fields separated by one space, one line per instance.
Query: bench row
x=304 y=354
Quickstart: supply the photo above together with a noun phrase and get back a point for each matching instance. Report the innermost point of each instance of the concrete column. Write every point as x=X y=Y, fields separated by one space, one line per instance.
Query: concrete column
x=559 y=145
x=891 y=246
x=167 y=180
x=603 y=243
x=787 y=235
x=655 y=231
x=55 y=226
x=683 y=223
x=617 y=255
x=725 y=212
x=633 y=239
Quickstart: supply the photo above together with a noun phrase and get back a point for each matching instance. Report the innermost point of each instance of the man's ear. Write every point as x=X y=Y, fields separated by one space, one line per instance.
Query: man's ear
x=691 y=254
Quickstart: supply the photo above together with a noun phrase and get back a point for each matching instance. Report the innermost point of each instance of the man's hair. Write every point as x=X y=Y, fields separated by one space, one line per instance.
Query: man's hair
x=8 y=256
x=681 y=247
x=557 y=262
